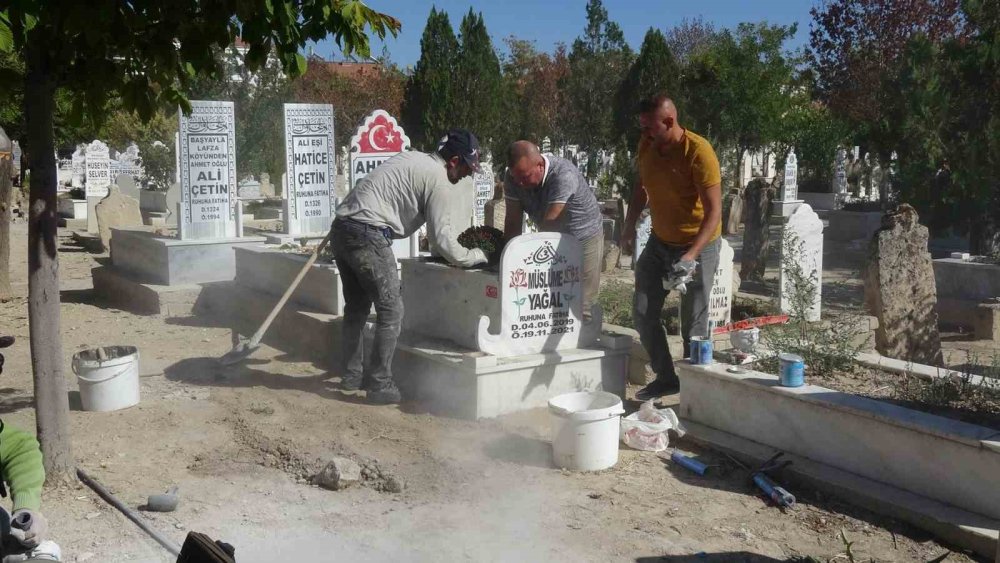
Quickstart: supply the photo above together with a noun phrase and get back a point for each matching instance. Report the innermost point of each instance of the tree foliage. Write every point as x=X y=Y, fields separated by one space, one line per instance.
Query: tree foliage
x=352 y=96
x=598 y=60
x=478 y=97
x=428 y=96
x=654 y=70
x=534 y=77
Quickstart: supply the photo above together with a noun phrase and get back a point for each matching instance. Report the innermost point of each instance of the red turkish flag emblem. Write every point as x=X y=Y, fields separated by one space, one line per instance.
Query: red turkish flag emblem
x=380 y=135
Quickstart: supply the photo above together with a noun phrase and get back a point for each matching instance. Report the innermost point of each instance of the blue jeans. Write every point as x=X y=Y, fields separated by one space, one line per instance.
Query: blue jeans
x=654 y=265
x=369 y=276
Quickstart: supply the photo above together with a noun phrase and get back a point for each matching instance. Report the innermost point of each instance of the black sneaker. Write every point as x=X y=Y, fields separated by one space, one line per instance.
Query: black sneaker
x=385 y=396
x=350 y=383
x=655 y=390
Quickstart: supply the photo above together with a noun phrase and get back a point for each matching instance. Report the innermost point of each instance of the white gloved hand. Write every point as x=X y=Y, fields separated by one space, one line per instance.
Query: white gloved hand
x=32 y=525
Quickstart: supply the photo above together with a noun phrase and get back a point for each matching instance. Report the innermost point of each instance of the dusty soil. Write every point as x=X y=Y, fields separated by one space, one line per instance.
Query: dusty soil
x=240 y=441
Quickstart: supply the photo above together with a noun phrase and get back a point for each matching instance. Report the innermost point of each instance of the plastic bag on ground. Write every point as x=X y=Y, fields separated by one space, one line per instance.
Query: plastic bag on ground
x=646 y=429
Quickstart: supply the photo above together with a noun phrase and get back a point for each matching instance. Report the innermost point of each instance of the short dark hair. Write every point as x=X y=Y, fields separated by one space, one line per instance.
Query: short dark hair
x=653 y=102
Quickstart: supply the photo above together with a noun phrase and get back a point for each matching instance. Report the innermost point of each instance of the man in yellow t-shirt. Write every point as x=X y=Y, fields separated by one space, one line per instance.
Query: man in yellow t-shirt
x=680 y=179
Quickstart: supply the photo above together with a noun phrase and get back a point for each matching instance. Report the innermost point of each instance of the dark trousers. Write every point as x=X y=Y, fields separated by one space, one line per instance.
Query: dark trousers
x=369 y=276
x=653 y=267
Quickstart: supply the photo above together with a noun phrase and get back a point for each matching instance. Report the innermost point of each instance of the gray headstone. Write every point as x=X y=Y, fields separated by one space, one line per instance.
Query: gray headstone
x=127 y=186
x=249 y=188
x=208 y=171
x=266 y=187
x=115 y=211
x=900 y=289
x=805 y=227
x=495 y=212
x=756 y=234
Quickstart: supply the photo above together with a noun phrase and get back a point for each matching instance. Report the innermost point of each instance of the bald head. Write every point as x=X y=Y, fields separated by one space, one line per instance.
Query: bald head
x=658 y=120
x=525 y=164
x=521 y=149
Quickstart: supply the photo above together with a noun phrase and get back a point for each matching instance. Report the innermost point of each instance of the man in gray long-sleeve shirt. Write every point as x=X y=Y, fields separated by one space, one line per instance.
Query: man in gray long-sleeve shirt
x=391 y=202
x=553 y=192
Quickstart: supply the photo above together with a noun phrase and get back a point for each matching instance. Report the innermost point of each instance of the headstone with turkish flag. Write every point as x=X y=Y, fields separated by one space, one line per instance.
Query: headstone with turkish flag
x=378 y=139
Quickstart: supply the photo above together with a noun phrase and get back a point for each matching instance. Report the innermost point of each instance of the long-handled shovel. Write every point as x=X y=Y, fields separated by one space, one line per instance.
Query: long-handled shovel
x=244 y=348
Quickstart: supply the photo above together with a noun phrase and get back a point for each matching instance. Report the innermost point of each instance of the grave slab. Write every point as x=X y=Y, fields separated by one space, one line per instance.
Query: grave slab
x=271 y=271
x=125 y=292
x=445 y=302
x=169 y=261
x=872 y=439
x=457 y=382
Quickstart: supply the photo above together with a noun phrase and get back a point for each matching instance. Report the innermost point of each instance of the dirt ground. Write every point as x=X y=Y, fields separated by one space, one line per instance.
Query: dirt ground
x=239 y=441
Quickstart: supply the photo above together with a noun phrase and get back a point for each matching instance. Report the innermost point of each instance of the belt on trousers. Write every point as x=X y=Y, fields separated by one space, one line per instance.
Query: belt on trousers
x=384 y=231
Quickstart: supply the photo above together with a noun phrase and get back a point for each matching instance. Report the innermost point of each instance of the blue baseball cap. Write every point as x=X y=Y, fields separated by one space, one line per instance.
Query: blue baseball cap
x=461 y=143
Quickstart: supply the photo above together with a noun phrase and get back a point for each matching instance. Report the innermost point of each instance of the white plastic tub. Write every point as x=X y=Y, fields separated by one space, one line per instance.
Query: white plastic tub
x=585 y=430
x=109 y=384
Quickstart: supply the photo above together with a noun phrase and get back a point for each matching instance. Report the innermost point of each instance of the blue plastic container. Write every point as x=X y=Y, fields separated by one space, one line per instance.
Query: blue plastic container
x=701 y=350
x=791 y=370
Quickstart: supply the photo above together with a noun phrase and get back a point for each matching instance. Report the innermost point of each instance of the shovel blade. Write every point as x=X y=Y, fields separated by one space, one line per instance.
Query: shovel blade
x=240 y=352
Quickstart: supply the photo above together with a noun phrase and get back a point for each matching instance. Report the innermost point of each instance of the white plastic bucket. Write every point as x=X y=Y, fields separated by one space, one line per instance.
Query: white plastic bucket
x=585 y=430
x=110 y=384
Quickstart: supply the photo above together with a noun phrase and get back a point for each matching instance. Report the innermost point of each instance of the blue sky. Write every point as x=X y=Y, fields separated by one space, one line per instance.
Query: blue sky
x=553 y=21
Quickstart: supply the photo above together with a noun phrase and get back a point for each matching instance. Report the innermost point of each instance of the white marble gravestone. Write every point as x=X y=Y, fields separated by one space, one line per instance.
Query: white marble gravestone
x=643 y=230
x=789 y=200
x=546 y=145
x=311 y=170
x=98 y=179
x=128 y=163
x=720 y=303
x=173 y=199
x=208 y=172
x=805 y=227
x=540 y=298
x=484 y=183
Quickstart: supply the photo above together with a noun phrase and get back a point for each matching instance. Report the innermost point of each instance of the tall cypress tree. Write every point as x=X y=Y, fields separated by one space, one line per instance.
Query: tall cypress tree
x=478 y=96
x=598 y=61
x=654 y=71
x=428 y=99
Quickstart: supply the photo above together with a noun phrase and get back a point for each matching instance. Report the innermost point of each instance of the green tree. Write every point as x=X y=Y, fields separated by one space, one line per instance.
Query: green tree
x=353 y=97
x=690 y=38
x=478 y=95
x=598 y=60
x=855 y=48
x=533 y=77
x=741 y=87
x=655 y=70
x=951 y=114
x=130 y=49
x=427 y=102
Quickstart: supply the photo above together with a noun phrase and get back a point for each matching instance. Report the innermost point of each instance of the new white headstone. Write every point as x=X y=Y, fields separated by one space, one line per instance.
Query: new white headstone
x=720 y=304
x=208 y=171
x=806 y=227
x=16 y=155
x=643 y=231
x=541 y=292
x=310 y=167
x=483 y=182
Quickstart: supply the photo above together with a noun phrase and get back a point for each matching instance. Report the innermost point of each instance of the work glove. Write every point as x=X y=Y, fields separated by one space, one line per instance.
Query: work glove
x=682 y=273
x=29 y=527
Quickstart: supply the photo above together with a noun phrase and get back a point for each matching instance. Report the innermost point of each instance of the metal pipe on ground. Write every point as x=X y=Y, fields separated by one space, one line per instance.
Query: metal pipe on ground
x=170 y=546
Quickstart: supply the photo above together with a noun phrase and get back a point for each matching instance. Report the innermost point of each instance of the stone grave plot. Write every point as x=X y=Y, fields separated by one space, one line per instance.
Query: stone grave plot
x=788 y=200
x=937 y=473
x=479 y=343
x=161 y=272
x=968 y=294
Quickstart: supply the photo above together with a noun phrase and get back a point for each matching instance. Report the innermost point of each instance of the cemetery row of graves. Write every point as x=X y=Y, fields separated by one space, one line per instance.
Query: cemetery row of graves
x=488 y=342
